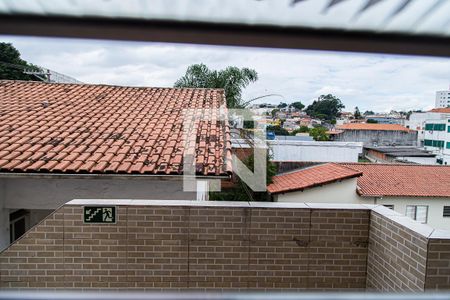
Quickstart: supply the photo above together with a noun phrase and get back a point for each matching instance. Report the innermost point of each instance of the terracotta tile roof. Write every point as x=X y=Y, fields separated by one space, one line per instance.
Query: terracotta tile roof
x=445 y=110
x=370 y=126
x=310 y=177
x=402 y=180
x=81 y=128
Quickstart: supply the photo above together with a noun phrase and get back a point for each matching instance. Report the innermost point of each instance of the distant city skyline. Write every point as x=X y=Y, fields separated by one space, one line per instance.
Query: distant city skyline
x=380 y=83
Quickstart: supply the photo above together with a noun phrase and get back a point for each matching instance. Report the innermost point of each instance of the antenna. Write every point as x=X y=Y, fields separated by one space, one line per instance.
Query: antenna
x=43 y=74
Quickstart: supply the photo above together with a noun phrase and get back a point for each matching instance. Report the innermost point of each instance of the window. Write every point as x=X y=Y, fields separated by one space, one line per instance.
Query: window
x=18 y=221
x=390 y=206
x=418 y=213
x=438 y=144
x=436 y=127
x=448 y=144
x=428 y=142
x=446 y=212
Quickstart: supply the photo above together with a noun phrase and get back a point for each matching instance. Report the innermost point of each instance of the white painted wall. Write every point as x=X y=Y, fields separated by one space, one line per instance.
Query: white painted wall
x=315 y=151
x=435 y=208
x=44 y=193
x=419 y=160
x=338 y=192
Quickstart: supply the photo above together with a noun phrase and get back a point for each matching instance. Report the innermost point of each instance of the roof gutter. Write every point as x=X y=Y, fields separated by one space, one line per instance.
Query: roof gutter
x=106 y=176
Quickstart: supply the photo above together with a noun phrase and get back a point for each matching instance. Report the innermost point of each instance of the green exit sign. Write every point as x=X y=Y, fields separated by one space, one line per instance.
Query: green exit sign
x=99 y=214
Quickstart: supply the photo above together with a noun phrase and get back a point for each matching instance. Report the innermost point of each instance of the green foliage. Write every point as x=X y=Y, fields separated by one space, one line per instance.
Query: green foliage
x=232 y=79
x=326 y=107
x=298 y=105
x=242 y=192
x=357 y=113
x=249 y=124
x=13 y=66
x=274 y=112
x=372 y=121
x=319 y=134
x=302 y=129
x=277 y=130
x=282 y=105
x=368 y=112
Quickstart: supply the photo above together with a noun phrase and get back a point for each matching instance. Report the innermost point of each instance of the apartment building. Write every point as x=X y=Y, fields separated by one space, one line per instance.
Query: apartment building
x=437 y=137
x=417 y=121
x=442 y=99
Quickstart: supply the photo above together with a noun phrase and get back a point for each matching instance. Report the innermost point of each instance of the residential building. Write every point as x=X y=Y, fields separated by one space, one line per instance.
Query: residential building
x=421 y=192
x=301 y=149
x=437 y=138
x=386 y=119
x=59 y=142
x=375 y=134
x=442 y=99
x=313 y=151
x=399 y=154
x=325 y=183
x=417 y=121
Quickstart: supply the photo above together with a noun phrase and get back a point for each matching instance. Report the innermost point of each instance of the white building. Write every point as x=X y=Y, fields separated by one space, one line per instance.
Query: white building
x=417 y=121
x=437 y=139
x=312 y=151
x=418 y=191
x=443 y=99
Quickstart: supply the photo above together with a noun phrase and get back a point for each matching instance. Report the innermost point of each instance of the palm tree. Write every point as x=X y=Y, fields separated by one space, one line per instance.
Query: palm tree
x=232 y=79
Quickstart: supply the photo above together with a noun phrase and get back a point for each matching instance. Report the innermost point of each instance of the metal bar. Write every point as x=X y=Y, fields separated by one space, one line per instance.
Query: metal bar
x=224 y=34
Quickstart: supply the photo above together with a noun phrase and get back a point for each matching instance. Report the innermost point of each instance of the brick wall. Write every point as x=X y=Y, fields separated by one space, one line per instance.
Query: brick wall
x=220 y=246
x=438 y=264
x=397 y=256
x=197 y=247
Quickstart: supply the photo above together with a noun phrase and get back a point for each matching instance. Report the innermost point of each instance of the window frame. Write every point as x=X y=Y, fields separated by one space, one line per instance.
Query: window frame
x=415 y=213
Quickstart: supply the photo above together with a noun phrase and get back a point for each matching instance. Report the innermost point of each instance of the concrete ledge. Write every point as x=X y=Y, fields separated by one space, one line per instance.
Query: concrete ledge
x=422 y=229
x=135 y=202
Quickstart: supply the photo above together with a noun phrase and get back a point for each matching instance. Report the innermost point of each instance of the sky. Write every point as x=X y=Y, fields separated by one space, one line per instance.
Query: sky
x=370 y=81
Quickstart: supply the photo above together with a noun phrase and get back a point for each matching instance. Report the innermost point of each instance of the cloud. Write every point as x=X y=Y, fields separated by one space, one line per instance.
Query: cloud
x=369 y=81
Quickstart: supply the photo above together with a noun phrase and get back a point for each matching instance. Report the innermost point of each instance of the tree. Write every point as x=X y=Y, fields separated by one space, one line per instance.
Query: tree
x=242 y=192
x=319 y=134
x=274 y=112
x=278 y=130
x=232 y=79
x=357 y=113
x=297 y=105
x=282 y=105
x=12 y=66
x=326 y=107
x=302 y=129
x=368 y=112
